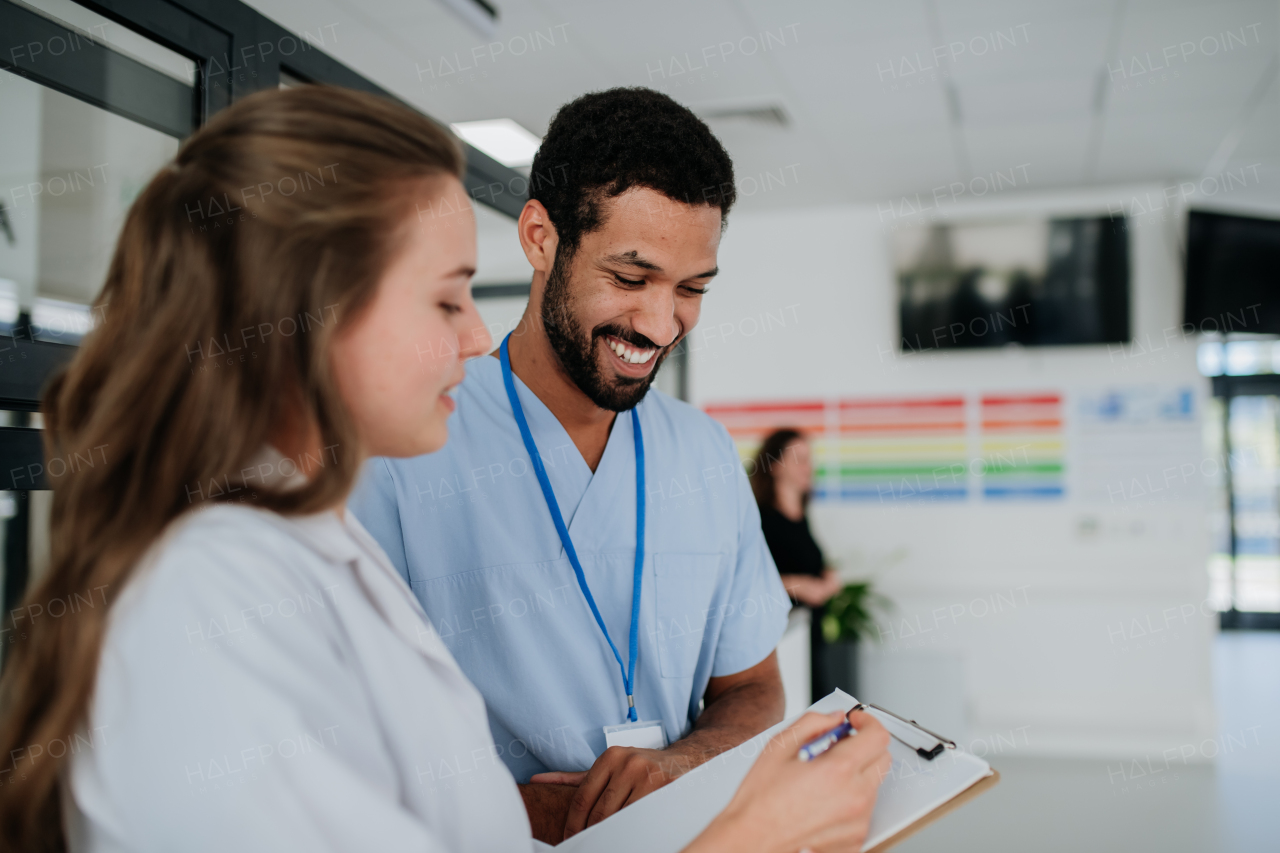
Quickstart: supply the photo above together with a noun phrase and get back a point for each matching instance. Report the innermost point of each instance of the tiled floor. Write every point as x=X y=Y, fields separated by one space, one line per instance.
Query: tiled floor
x=1232 y=806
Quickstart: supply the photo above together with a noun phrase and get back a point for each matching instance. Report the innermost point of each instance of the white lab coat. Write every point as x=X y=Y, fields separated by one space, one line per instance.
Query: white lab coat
x=270 y=683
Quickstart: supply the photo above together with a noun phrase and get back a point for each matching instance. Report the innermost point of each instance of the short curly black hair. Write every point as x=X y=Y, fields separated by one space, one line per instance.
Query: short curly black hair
x=604 y=143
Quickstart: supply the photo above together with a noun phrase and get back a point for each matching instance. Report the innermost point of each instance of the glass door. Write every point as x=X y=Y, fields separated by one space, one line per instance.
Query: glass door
x=1243 y=437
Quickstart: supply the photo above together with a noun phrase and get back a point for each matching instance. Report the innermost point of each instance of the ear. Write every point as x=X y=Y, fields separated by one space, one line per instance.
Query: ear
x=538 y=236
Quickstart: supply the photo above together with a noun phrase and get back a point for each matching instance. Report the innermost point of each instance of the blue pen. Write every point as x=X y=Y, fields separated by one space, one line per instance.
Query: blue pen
x=819 y=745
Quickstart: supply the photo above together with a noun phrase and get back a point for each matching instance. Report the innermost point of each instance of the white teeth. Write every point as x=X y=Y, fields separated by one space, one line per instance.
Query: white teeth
x=629 y=355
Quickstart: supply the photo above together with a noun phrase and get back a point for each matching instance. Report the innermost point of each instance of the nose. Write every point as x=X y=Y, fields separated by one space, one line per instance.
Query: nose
x=656 y=317
x=473 y=335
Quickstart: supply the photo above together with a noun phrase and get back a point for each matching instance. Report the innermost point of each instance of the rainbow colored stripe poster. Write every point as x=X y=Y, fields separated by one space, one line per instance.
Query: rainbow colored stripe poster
x=905 y=449
x=1022 y=446
x=884 y=450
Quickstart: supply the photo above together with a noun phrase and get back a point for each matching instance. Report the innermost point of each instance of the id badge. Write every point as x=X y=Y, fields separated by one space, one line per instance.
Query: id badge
x=645 y=734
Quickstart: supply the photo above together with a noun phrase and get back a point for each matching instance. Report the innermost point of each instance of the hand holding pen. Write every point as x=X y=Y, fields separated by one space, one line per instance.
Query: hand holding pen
x=786 y=804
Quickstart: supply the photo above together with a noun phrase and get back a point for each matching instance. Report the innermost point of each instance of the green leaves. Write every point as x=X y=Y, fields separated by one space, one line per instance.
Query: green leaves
x=848 y=615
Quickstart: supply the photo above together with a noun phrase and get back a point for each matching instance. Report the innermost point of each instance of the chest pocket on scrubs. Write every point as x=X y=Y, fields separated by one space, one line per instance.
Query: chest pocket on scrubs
x=684 y=585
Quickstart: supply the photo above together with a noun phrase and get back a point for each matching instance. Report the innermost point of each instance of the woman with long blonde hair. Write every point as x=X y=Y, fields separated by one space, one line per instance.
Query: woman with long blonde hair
x=238 y=665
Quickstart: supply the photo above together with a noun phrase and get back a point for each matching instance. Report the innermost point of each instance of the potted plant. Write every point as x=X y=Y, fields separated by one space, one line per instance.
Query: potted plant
x=848 y=617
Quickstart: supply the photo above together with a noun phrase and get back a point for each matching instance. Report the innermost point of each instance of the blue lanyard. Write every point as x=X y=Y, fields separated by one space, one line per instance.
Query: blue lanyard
x=629 y=673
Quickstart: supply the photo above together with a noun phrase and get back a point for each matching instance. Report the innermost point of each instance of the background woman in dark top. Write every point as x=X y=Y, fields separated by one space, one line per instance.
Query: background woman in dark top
x=782 y=479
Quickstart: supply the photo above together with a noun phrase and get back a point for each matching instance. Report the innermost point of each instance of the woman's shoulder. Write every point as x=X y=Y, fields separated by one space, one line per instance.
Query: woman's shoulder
x=218 y=556
x=229 y=534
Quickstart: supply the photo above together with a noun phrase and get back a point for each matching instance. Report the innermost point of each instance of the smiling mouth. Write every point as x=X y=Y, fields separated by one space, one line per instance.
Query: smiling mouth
x=450 y=390
x=629 y=353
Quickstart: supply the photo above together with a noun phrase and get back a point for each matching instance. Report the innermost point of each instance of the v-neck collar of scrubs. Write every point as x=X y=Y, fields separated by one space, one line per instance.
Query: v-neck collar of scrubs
x=574 y=482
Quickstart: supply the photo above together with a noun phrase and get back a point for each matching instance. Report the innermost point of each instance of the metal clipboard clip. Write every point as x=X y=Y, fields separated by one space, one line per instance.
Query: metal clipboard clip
x=928 y=753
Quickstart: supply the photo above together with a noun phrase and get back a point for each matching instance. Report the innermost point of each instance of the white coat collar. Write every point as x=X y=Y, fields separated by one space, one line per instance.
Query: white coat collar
x=344 y=541
x=341 y=539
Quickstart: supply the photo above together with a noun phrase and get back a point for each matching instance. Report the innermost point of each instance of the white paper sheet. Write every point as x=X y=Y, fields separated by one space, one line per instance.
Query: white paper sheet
x=668 y=819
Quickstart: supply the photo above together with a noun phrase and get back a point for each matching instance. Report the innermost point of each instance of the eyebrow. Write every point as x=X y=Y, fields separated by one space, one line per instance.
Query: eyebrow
x=633 y=259
x=464 y=270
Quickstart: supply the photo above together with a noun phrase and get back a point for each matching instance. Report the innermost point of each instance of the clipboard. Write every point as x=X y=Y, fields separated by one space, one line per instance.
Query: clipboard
x=949 y=806
x=669 y=818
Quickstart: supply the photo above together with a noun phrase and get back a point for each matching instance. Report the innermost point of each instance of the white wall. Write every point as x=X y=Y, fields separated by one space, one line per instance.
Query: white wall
x=1023 y=614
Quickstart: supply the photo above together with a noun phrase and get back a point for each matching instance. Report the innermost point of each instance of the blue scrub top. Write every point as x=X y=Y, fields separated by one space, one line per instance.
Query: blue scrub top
x=470 y=531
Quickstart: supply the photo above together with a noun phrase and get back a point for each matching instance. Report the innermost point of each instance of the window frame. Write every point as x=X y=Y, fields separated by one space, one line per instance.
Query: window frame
x=212 y=33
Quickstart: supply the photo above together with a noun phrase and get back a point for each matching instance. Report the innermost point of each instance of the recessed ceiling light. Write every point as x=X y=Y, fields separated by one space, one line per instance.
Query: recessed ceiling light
x=773 y=114
x=500 y=138
x=481 y=15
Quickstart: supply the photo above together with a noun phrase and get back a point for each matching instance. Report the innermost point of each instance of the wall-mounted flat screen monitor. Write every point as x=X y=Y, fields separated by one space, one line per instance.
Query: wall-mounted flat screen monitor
x=1232 y=281
x=1036 y=282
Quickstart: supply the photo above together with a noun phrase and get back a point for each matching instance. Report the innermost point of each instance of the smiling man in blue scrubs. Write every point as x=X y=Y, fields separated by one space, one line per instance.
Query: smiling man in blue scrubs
x=589 y=548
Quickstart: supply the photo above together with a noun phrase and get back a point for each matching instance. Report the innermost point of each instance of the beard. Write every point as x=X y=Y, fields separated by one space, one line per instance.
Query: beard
x=576 y=350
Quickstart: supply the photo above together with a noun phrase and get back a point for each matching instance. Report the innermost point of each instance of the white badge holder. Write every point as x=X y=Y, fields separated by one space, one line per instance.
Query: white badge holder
x=644 y=734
